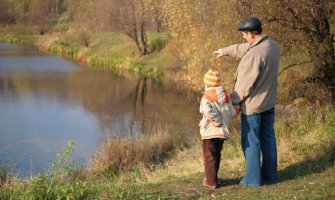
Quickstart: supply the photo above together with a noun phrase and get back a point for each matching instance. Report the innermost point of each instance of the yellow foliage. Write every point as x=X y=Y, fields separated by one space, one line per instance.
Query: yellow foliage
x=201 y=28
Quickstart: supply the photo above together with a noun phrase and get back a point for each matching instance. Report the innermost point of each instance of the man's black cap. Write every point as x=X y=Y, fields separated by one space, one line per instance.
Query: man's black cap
x=250 y=24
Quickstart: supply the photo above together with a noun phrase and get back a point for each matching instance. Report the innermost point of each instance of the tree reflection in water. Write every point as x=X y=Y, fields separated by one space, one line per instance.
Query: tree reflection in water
x=140 y=91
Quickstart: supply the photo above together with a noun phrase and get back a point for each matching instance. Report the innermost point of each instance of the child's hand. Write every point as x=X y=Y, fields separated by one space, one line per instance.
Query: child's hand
x=216 y=124
x=237 y=110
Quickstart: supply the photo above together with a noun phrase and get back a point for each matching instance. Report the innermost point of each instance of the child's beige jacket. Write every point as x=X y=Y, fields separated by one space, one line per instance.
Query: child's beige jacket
x=217 y=109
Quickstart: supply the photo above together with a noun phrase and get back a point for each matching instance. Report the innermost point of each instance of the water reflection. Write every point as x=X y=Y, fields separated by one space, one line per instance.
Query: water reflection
x=45 y=101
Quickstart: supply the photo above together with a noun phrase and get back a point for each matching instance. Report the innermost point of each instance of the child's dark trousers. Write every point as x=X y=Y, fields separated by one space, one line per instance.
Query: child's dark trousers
x=212 y=156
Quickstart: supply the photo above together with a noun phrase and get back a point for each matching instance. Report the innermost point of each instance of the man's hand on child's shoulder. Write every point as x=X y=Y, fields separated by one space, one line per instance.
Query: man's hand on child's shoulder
x=237 y=109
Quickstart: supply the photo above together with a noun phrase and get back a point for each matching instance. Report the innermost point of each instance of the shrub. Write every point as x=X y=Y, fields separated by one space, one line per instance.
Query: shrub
x=58 y=184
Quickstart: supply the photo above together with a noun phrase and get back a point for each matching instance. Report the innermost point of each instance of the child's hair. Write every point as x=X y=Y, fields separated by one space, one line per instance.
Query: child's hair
x=212 y=78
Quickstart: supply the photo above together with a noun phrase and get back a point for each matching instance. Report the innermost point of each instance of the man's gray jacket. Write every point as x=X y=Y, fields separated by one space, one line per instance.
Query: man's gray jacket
x=255 y=89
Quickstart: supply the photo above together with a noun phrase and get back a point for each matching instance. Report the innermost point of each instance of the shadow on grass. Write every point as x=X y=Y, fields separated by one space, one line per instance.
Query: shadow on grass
x=317 y=164
x=224 y=181
x=228 y=182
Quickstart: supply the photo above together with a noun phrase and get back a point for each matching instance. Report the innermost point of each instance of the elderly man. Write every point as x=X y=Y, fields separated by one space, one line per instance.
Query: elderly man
x=255 y=92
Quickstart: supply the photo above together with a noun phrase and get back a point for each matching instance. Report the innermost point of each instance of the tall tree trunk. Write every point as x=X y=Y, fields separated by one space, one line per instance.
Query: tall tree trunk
x=138 y=27
x=134 y=33
x=143 y=34
x=144 y=40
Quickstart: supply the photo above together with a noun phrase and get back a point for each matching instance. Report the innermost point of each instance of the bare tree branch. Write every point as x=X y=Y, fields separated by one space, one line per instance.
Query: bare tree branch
x=292 y=65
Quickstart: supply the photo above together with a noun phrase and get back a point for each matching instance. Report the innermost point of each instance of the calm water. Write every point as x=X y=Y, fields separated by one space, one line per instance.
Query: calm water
x=46 y=101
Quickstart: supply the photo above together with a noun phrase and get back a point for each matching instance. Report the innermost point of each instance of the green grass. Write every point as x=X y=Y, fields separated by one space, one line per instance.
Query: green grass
x=14 y=40
x=10 y=36
x=114 y=51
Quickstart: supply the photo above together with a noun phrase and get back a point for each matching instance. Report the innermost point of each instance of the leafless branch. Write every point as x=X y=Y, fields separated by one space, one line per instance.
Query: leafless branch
x=292 y=65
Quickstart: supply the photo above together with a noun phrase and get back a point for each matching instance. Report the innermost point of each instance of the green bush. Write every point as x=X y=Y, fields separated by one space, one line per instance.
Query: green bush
x=58 y=184
x=157 y=44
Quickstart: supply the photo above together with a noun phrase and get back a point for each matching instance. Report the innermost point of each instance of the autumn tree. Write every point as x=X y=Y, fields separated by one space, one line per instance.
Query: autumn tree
x=41 y=13
x=200 y=27
x=70 y=7
x=84 y=13
x=108 y=15
x=6 y=12
x=301 y=24
x=132 y=17
x=20 y=11
x=156 y=8
x=136 y=26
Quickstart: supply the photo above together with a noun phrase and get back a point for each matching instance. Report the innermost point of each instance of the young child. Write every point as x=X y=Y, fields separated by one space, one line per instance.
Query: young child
x=216 y=107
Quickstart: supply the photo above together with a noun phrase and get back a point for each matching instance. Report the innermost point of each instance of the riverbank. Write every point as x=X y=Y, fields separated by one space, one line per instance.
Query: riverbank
x=112 y=51
x=306 y=150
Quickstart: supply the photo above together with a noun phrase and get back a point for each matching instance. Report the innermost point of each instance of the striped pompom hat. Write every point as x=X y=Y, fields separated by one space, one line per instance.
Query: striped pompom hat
x=212 y=78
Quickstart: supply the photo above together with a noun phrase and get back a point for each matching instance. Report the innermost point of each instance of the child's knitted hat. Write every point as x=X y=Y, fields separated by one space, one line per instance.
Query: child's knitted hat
x=212 y=78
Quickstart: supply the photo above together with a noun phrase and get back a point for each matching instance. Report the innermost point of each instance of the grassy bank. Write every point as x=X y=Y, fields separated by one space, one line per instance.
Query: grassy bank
x=306 y=149
x=114 y=51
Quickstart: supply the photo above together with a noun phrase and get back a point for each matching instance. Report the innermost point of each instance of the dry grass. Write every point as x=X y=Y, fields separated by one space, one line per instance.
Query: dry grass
x=183 y=164
x=116 y=156
x=300 y=146
x=4 y=176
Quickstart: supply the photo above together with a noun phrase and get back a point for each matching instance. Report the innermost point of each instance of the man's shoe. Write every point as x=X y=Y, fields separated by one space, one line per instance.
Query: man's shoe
x=237 y=180
x=220 y=181
x=268 y=182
